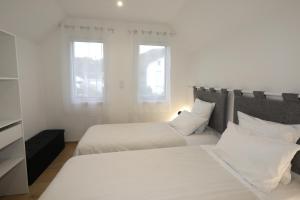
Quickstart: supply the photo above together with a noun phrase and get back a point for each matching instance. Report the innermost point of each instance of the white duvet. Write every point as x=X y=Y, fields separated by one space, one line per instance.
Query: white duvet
x=179 y=173
x=131 y=136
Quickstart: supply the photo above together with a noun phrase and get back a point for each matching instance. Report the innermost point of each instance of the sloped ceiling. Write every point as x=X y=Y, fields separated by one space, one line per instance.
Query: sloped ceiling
x=33 y=19
x=203 y=23
x=198 y=23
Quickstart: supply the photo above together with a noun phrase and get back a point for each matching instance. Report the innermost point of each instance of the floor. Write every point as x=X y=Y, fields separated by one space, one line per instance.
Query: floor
x=39 y=186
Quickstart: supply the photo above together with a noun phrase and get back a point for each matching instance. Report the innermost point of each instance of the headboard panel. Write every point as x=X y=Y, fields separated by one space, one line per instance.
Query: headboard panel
x=218 y=120
x=286 y=111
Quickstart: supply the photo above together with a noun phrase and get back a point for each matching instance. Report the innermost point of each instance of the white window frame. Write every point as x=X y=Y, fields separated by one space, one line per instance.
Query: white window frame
x=166 y=97
x=76 y=99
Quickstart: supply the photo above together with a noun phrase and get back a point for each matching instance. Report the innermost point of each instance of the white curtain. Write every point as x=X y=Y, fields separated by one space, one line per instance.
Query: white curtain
x=152 y=68
x=83 y=108
x=87 y=71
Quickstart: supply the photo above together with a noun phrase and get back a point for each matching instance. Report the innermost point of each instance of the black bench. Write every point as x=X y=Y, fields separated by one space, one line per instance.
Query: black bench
x=41 y=150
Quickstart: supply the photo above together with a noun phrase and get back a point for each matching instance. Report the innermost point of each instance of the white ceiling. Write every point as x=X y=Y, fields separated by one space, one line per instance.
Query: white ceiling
x=198 y=23
x=31 y=19
x=158 y=11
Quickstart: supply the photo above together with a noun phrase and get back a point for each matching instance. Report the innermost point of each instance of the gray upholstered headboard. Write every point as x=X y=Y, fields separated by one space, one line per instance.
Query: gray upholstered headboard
x=218 y=120
x=286 y=111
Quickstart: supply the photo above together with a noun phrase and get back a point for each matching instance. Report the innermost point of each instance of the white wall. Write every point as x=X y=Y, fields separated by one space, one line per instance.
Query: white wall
x=119 y=69
x=30 y=21
x=263 y=54
x=34 y=119
x=33 y=111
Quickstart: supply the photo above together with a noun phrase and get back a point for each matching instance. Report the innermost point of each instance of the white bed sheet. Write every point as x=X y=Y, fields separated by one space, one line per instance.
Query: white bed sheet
x=177 y=173
x=285 y=192
x=131 y=136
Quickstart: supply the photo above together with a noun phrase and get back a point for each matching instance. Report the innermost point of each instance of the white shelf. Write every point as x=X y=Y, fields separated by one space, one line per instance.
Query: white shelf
x=5 y=123
x=10 y=135
x=7 y=165
x=13 y=175
x=8 y=79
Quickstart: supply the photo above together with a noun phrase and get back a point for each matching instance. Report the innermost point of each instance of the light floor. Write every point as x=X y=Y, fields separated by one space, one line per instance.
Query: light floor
x=39 y=186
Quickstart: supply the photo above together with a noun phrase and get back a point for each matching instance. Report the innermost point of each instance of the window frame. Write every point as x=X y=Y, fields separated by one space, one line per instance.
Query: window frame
x=167 y=79
x=74 y=98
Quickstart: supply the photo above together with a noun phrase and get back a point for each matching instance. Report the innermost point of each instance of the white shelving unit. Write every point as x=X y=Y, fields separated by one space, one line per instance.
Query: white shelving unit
x=7 y=165
x=13 y=173
x=8 y=79
x=5 y=123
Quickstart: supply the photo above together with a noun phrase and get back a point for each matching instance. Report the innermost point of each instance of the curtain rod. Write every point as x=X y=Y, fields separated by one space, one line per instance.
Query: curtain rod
x=110 y=29
x=151 y=32
x=243 y=91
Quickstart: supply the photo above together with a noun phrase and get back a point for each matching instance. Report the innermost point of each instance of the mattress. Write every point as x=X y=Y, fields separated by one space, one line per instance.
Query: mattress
x=132 y=136
x=177 y=173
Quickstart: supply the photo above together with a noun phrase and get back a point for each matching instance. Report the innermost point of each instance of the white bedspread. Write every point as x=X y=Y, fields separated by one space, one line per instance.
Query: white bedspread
x=179 y=173
x=132 y=136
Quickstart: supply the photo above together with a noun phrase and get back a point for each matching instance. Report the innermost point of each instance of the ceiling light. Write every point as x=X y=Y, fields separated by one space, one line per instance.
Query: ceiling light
x=120 y=3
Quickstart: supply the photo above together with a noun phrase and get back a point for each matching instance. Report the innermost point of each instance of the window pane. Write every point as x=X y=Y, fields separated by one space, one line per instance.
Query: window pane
x=88 y=71
x=152 y=72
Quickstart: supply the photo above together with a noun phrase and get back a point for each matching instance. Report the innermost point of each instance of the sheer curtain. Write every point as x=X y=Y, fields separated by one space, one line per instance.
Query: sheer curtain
x=83 y=77
x=152 y=68
x=87 y=72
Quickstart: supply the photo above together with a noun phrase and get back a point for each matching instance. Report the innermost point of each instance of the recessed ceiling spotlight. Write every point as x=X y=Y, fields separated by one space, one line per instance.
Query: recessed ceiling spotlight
x=120 y=3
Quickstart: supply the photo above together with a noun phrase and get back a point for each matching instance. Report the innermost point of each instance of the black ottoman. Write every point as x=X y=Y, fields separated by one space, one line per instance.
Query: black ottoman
x=41 y=150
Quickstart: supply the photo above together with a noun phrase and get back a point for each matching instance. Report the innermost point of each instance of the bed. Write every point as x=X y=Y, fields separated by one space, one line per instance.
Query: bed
x=176 y=173
x=136 y=136
x=170 y=173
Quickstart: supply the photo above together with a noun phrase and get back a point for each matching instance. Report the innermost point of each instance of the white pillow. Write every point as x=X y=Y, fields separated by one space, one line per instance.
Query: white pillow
x=261 y=161
x=203 y=108
x=186 y=123
x=288 y=133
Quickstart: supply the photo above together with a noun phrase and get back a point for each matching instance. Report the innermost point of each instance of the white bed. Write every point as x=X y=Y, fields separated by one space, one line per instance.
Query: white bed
x=209 y=105
x=138 y=136
x=189 y=173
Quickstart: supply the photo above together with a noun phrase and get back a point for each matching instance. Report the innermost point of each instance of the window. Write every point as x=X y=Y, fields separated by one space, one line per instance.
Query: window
x=87 y=68
x=153 y=66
